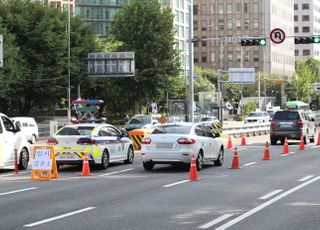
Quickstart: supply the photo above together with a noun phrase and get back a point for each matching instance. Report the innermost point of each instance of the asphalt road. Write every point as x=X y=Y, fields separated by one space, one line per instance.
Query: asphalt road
x=278 y=194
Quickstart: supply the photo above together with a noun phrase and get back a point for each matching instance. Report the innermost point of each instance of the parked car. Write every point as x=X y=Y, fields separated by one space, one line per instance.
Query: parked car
x=175 y=144
x=142 y=122
x=209 y=120
x=28 y=127
x=103 y=144
x=257 y=117
x=292 y=124
x=174 y=119
x=11 y=138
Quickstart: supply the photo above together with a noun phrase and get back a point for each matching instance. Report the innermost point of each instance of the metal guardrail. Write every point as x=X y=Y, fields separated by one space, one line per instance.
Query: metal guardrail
x=252 y=129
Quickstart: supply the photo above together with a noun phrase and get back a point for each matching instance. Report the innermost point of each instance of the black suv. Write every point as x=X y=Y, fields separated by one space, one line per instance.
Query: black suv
x=292 y=124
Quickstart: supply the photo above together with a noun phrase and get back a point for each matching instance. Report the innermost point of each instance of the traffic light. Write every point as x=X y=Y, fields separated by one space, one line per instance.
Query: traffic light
x=307 y=40
x=253 y=41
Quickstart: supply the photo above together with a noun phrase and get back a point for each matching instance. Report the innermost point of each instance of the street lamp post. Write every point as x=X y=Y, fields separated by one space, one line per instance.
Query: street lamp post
x=191 y=101
x=69 y=80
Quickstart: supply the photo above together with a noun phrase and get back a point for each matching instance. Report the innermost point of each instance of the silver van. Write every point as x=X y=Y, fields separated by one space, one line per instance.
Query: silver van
x=28 y=127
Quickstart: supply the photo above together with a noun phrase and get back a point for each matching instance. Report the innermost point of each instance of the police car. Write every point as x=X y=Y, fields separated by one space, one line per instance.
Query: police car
x=102 y=143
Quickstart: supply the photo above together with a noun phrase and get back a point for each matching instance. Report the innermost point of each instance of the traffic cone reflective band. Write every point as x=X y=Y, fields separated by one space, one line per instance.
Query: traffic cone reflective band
x=229 y=145
x=301 y=146
x=235 y=160
x=285 y=147
x=266 y=155
x=85 y=166
x=243 y=140
x=318 y=142
x=193 y=174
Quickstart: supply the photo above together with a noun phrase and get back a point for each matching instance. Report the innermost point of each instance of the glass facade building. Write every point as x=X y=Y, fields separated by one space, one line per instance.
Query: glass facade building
x=99 y=13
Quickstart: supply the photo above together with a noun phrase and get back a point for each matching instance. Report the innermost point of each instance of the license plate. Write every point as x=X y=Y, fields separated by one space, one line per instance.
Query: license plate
x=285 y=126
x=69 y=156
x=164 y=145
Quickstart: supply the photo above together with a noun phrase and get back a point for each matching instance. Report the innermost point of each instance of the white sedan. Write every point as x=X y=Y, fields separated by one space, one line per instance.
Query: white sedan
x=175 y=144
x=102 y=143
x=257 y=117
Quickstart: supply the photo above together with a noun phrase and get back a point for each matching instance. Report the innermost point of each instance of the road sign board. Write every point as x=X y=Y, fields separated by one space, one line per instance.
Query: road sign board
x=241 y=75
x=277 y=35
x=112 y=64
x=317 y=87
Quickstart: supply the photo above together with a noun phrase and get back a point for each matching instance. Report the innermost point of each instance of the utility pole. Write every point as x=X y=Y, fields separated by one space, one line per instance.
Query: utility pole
x=191 y=101
x=69 y=84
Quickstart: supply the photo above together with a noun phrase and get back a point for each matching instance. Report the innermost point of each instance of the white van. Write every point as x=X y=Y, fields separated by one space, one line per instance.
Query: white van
x=28 y=127
x=11 y=138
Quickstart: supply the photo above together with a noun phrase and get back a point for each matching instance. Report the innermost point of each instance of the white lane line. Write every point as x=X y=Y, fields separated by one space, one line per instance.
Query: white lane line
x=57 y=217
x=286 y=154
x=173 y=184
x=126 y=170
x=12 y=174
x=248 y=164
x=306 y=178
x=112 y=173
x=266 y=204
x=239 y=149
x=317 y=146
x=16 y=191
x=215 y=221
x=270 y=194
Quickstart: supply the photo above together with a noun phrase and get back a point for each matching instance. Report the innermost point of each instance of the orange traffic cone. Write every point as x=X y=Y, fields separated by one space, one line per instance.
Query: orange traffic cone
x=235 y=160
x=193 y=174
x=266 y=155
x=285 y=147
x=301 y=146
x=318 y=142
x=229 y=145
x=85 y=166
x=243 y=140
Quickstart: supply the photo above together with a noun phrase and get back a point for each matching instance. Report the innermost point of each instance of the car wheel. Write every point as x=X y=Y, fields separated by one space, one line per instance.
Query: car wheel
x=199 y=161
x=273 y=141
x=148 y=166
x=306 y=139
x=130 y=156
x=33 y=139
x=220 y=160
x=312 y=138
x=282 y=141
x=24 y=159
x=104 y=160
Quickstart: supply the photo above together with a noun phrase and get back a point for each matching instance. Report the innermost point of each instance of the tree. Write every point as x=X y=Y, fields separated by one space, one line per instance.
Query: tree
x=146 y=29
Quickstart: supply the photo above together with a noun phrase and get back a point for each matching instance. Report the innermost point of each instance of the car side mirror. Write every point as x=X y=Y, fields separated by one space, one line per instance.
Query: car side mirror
x=17 y=128
x=124 y=133
x=312 y=119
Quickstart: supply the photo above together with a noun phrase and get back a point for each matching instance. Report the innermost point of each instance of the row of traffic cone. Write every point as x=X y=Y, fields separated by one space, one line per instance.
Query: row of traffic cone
x=243 y=141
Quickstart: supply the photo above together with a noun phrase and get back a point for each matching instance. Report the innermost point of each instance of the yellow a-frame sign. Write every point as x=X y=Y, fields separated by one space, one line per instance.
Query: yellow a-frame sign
x=44 y=166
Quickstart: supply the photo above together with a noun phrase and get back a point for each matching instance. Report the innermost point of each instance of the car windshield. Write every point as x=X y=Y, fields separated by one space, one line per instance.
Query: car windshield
x=286 y=115
x=140 y=120
x=255 y=114
x=76 y=131
x=207 y=119
x=172 y=129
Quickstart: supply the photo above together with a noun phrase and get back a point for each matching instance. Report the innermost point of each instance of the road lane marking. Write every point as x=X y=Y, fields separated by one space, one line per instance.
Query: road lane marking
x=17 y=191
x=268 y=195
x=239 y=149
x=286 y=154
x=13 y=174
x=112 y=173
x=57 y=217
x=306 y=178
x=173 y=184
x=317 y=146
x=248 y=164
x=266 y=204
x=215 y=221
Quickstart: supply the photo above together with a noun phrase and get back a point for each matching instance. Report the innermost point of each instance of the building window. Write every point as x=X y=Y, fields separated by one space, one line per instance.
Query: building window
x=256 y=55
x=196 y=57
x=213 y=57
x=305 y=29
x=212 y=8
x=238 y=56
x=245 y=8
x=255 y=23
x=230 y=56
x=246 y=24
x=296 y=18
x=246 y=57
x=195 y=9
x=229 y=24
x=305 y=18
x=296 y=29
x=195 y=25
x=220 y=8
x=220 y=24
x=204 y=41
x=204 y=57
x=195 y=43
x=305 y=6
x=255 y=7
x=238 y=24
x=203 y=9
x=306 y=52
x=295 y=6
x=238 y=7
x=296 y=53
x=229 y=8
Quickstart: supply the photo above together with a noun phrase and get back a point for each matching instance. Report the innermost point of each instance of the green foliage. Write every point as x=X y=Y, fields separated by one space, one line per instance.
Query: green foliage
x=250 y=107
x=204 y=82
x=145 y=28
